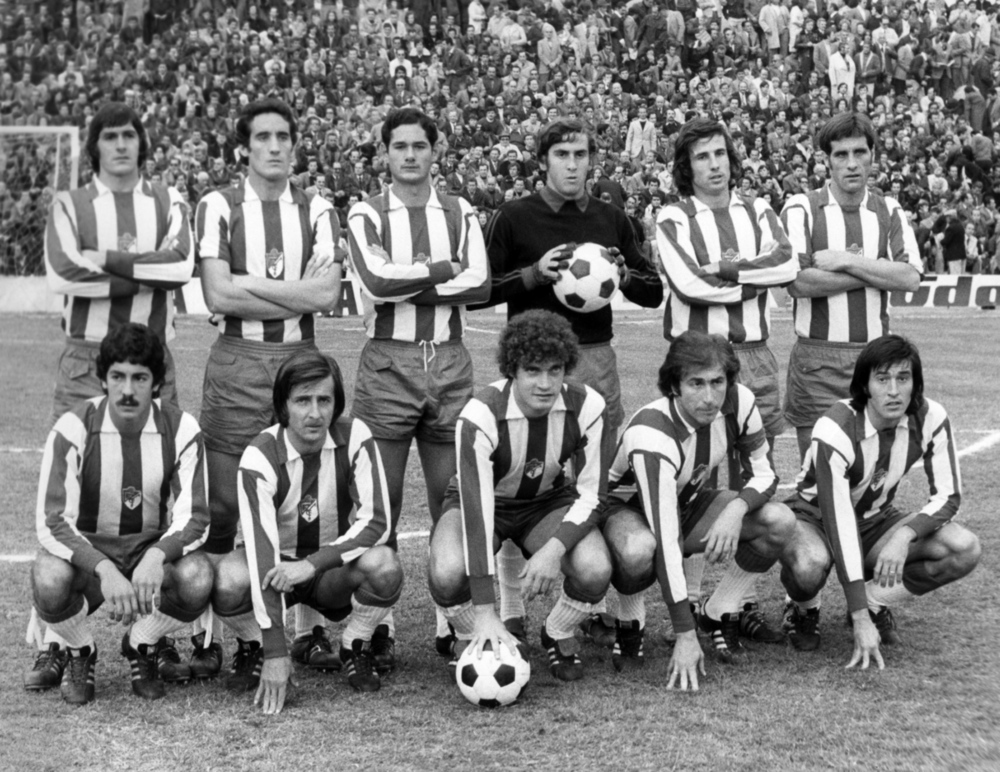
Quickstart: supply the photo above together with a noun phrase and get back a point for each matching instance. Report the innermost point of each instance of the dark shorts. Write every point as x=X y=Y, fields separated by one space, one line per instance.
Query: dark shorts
x=405 y=390
x=76 y=377
x=598 y=369
x=819 y=374
x=515 y=520
x=236 y=403
x=870 y=530
x=691 y=515
x=759 y=373
x=307 y=593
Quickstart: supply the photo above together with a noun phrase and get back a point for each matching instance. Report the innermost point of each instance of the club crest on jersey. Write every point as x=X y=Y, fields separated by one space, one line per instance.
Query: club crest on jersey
x=131 y=497
x=856 y=249
x=308 y=509
x=731 y=255
x=533 y=469
x=275 y=263
x=421 y=259
x=878 y=479
x=126 y=243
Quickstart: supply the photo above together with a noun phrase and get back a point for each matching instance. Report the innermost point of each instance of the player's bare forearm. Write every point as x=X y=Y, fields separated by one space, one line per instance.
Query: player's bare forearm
x=817 y=283
x=886 y=274
x=305 y=296
x=222 y=296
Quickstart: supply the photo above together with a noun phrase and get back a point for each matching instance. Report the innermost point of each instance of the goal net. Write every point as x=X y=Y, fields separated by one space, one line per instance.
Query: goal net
x=35 y=161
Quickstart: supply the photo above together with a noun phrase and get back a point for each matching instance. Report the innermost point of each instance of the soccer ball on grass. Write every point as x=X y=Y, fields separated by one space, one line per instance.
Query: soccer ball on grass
x=589 y=281
x=491 y=681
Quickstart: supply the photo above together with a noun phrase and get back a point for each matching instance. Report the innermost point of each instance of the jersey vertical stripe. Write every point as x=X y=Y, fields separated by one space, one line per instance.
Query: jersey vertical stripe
x=134 y=268
x=268 y=239
x=877 y=230
x=327 y=507
x=503 y=455
x=843 y=476
x=732 y=301
x=402 y=258
x=96 y=481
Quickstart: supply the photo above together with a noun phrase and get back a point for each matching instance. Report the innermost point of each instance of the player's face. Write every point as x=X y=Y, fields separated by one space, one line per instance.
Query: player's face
x=850 y=165
x=537 y=386
x=270 y=153
x=566 y=165
x=130 y=395
x=118 y=149
x=702 y=394
x=410 y=155
x=310 y=411
x=889 y=391
x=710 y=167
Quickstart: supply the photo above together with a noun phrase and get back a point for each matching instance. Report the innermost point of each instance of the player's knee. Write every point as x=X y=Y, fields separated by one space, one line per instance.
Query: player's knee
x=805 y=572
x=592 y=567
x=51 y=582
x=194 y=579
x=778 y=522
x=231 y=586
x=383 y=571
x=633 y=553
x=446 y=576
x=966 y=552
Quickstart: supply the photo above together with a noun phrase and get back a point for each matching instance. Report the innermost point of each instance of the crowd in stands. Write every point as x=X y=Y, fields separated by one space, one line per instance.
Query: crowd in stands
x=492 y=73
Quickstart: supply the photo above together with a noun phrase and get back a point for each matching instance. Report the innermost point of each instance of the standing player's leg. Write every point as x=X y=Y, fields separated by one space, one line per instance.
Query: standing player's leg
x=804 y=572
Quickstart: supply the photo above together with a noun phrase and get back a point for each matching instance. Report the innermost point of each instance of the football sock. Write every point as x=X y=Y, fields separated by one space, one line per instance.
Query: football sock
x=441 y=621
x=218 y=625
x=306 y=618
x=462 y=618
x=51 y=636
x=75 y=630
x=694 y=570
x=729 y=592
x=805 y=605
x=152 y=627
x=510 y=564
x=362 y=622
x=565 y=616
x=879 y=596
x=632 y=607
x=244 y=626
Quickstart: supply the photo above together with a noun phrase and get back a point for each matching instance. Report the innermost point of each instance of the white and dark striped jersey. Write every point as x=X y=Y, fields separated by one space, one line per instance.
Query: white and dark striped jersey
x=733 y=302
x=662 y=463
x=268 y=239
x=147 y=489
x=508 y=459
x=852 y=472
x=402 y=257
x=328 y=507
x=877 y=230
x=144 y=250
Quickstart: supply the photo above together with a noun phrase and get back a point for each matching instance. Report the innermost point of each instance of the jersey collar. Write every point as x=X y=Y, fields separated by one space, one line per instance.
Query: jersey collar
x=249 y=194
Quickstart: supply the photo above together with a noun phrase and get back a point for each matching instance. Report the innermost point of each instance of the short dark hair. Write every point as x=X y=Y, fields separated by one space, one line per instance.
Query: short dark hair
x=694 y=350
x=112 y=115
x=884 y=352
x=536 y=336
x=562 y=130
x=693 y=131
x=405 y=116
x=306 y=367
x=261 y=107
x=845 y=126
x=135 y=344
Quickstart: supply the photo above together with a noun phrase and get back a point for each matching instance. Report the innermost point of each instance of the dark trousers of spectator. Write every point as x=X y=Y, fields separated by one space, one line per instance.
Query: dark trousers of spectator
x=898 y=86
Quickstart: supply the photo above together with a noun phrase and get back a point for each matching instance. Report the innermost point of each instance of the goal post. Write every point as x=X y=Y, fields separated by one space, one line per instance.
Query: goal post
x=35 y=162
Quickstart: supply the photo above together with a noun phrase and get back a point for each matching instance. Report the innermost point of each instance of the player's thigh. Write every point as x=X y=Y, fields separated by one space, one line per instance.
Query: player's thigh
x=877 y=532
x=598 y=368
x=76 y=378
x=378 y=569
x=629 y=539
x=438 y=462
x=232 y=579
x=949 y=540
x=588 y=559
x=449 y=387
x=819 y=374
x=390 y=390
x=772 y=519
x=702 y=514
x=759 y=373
x=446 y=565
x=189 y=575
x=54 y=579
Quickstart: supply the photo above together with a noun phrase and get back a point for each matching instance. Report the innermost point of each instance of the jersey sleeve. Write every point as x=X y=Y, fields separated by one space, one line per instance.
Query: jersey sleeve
x=189 y=516
x=472 y=285
x=212 y=228
x=751 y=447
x=591 y=476
x=902 y=241
x=257 y=483
x=798 y=228
x=325 y=225
x=943 y=476
x=644 y=287
x=773 y=267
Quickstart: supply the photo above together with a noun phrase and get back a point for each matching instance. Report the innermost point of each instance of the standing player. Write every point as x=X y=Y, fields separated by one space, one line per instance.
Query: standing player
x=115 y=248
x=121 y=509
x=529 y=470
x=721 y=252
x=420 y=258
x=854 y=246
x=669 y=451
x=268 y=264
x=529 y=240
x=860 y=451
x=315 y=516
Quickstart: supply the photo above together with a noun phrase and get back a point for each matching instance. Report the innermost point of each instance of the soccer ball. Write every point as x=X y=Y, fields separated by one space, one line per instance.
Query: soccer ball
x=590 y=280
x=492 y=681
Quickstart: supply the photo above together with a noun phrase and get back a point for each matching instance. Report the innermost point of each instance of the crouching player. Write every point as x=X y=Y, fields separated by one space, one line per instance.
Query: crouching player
x=315 y=516
x=860 y=451
x=121 y=508
x=668 y=452
x=529 y=470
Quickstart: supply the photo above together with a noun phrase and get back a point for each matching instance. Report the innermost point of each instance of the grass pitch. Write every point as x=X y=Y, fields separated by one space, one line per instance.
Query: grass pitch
x=935 y=706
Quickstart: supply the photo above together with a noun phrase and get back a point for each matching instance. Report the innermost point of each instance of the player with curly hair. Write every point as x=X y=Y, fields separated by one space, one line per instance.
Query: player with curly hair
x=516 y=444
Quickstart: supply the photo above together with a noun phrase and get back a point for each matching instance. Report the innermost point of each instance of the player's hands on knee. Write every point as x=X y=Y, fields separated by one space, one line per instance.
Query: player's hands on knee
x=543 y=570
x=723 y=537
x=686 y=662
x=892 y=558
x=275 y=676
x=866 y=640
x=147 y=579
x=489 y=629
x=546 y=270
x=284 y=576
x=118 y=593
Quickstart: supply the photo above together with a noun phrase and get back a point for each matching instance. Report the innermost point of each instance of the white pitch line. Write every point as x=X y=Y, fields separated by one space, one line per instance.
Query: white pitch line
x=480 y=329
x=986 y=442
